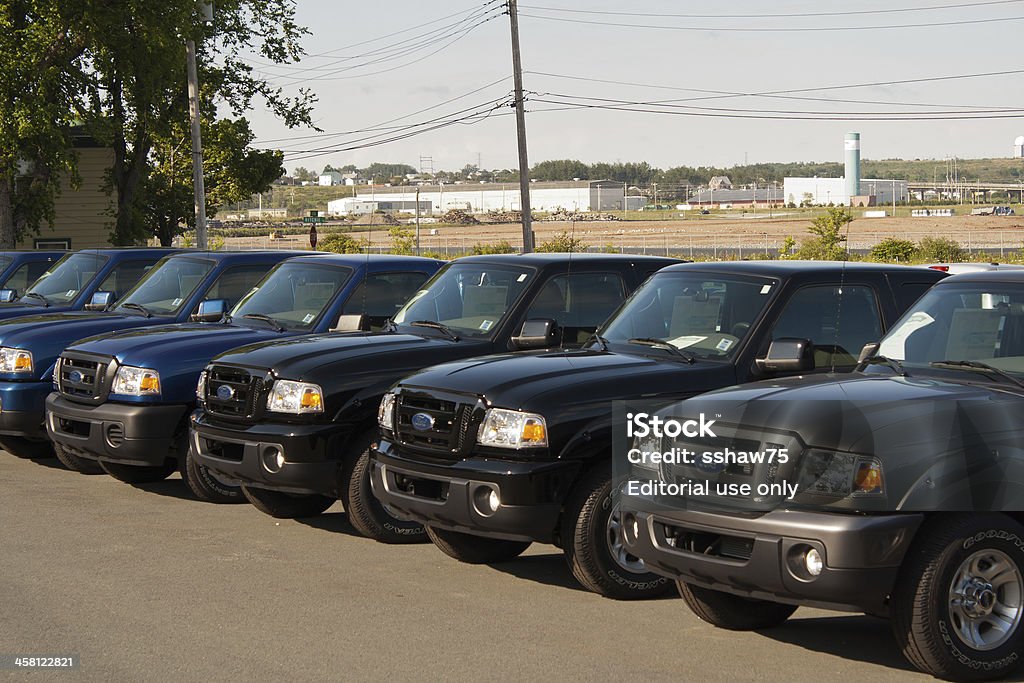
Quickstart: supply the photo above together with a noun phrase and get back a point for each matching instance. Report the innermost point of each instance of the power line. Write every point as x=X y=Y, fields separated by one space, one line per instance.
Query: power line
x=789 y=15
x=776 y=29
x=708 y=94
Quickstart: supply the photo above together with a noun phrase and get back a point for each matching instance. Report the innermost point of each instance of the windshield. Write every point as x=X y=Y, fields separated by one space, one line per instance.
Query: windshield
x=294 y=294
x=167 y=286
x=469 y=298
x=977 y=322
x=66 y=278
x=708 y=315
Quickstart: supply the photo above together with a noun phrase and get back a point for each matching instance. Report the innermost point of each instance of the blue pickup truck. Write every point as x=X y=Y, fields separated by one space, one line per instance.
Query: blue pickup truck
x=19 y=269
x=72 y=282
x=171 y=291
x=123 y=398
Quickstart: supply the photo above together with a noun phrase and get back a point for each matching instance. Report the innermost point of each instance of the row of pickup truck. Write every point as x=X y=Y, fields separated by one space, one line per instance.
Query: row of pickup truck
x=473 y=404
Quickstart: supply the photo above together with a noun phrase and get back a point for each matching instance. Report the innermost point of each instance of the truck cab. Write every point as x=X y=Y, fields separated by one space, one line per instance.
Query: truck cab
x=295 y=459
x=906 y=490
x=495 y=453
x=137 y=432
x=170 y=290
x=19 y=269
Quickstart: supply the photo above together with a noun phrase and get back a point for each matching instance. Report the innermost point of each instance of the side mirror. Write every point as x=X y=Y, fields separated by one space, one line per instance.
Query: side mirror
x=100 y=301
x=870 y=350
x=788 y=355
x=540 y=333
x=8 y=295
x=211 y=311
x=356 y=322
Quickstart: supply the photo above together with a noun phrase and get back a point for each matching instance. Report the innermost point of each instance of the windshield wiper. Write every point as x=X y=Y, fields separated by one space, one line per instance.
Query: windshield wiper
x=138 y=307
x=895 y=365
x=662 y=344
x=433 y=324
x=37 y=295
x=977 y=365
x=267 y=319
x=600 y=340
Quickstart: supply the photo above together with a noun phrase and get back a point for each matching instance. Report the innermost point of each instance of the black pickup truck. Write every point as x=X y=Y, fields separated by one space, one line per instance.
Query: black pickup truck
x=293 y=462
x=495 y=453
x=906 y=490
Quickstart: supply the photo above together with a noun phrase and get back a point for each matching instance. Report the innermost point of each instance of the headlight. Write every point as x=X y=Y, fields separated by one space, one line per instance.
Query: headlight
x=512 y=429
x=840 y=474
x=201 y=386
x=386 y=412
x=287 y=396
x=15 y=360
x=136 y=381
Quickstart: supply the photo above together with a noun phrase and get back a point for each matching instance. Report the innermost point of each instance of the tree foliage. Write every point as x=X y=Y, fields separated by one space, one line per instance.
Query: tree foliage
x=941 y=249
x=827 y=240
x=340 y=243
x=562 y=242
x=893 y=249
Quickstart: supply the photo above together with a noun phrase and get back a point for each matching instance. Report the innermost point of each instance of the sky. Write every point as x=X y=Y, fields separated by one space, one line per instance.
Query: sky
x=375 y=65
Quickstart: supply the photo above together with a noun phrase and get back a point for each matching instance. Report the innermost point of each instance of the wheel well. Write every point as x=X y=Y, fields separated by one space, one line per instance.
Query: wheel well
x=589 y=461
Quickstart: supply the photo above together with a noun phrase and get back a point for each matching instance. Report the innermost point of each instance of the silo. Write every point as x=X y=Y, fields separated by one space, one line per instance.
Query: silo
x=1018 y=147
x=852 y=166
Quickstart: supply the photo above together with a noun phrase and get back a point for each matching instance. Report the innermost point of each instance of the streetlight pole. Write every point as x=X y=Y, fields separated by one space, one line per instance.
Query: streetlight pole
x=199 y=189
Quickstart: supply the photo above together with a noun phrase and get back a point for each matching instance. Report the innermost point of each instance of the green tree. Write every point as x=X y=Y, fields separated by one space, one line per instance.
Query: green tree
x=941 y=249
x=502 y=247
x=893 y=249
x=303 y=174
x=826 y=245
x=341 y=243
x=559 y=169
x=562 y=242
x=403 y=240
x=42 y=67
x=384 y=172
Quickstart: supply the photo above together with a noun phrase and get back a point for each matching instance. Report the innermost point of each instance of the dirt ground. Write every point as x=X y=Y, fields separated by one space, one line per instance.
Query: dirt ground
x=997 y=235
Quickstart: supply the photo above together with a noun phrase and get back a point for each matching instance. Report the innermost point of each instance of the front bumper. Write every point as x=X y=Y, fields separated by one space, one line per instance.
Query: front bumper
x=23 y=408
x=455 y=496
x=762 y=557
x=312 y=458
x=115 y=432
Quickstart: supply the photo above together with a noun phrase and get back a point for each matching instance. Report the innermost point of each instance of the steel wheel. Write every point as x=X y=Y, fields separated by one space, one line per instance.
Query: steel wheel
x=985 y=599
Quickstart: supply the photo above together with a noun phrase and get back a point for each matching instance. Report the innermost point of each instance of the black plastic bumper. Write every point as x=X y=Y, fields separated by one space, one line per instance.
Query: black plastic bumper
x=243 y=454
x=115 y=432
x=456 y=496
x=763 y=557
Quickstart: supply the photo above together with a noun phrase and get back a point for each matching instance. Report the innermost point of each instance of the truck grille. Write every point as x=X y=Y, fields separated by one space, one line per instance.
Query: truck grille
x=85 y=377
x=451 y=423
x=239 y=398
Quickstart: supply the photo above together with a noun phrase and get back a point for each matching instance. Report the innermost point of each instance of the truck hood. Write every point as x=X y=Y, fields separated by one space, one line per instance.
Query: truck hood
x=316 y=357
x=155 y=347
x=47 y=335
x=547 y=381
x=15 y=310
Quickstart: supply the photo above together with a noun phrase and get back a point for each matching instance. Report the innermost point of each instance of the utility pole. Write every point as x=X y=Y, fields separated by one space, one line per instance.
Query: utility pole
x=417 y=220
x=206 y=9
x=524 y=164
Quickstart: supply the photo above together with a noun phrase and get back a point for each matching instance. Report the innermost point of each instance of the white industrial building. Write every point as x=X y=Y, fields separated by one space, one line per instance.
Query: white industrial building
x=586 y=195
x=825 y=191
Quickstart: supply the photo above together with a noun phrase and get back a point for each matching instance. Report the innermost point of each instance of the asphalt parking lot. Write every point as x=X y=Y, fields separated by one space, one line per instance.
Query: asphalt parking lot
x=150 y=584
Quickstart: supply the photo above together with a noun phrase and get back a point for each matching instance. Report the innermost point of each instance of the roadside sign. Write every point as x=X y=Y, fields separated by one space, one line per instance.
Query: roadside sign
x=314 y=219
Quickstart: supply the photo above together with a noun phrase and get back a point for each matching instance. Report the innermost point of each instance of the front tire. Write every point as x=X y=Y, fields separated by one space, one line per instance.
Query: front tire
x=958 y=604
x=594 y=547
x=367 y=514
x=132 y=474
x=75 y=463
x=29 y=449
x=475 y=549
x=733 y=612
x=207 y=486
x=286 y=505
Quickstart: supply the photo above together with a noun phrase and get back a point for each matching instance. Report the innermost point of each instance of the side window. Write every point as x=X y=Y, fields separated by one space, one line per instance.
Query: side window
x=909 y=292
x=124 y=276
x=839 y=321
x=234 y=283
x=380 y=295
x=25 y=275
x=578 y=303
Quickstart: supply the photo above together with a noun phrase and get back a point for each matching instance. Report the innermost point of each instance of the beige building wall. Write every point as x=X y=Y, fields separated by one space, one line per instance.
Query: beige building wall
x=82 y=215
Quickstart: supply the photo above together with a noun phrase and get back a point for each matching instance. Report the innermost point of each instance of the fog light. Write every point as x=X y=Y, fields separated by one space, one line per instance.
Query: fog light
x=273 y=460
x=813 y=563
x=493 y=501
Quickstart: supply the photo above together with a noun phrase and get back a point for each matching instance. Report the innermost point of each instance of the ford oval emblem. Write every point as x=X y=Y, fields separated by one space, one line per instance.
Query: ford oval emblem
x=76 y=376
x=225 y=393
x=422 y=422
